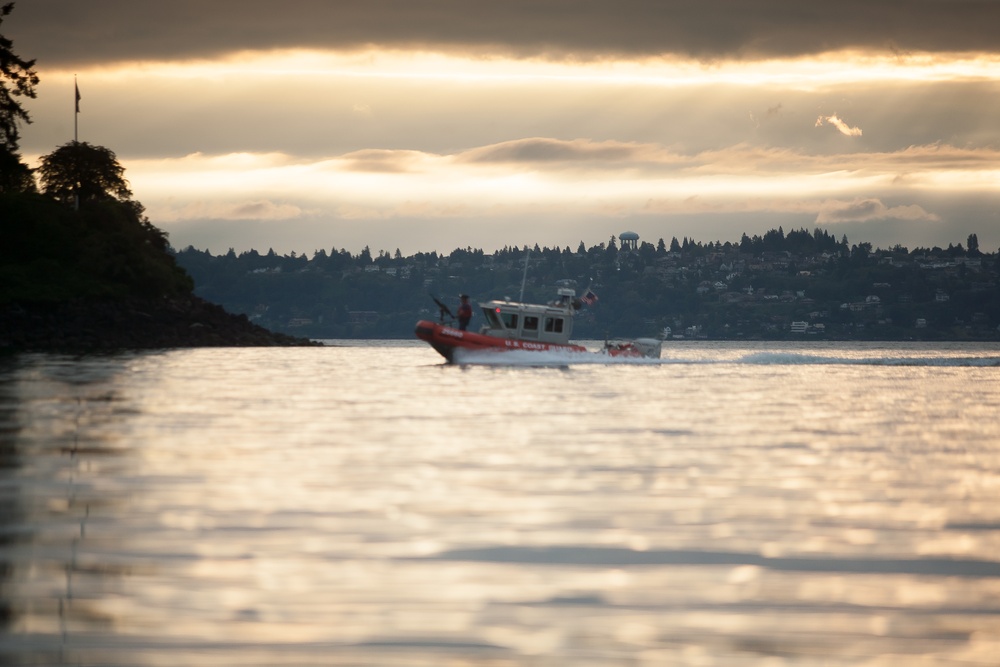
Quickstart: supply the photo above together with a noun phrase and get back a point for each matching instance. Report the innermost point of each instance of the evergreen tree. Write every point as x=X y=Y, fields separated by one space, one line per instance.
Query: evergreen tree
x=612 y=250
x=972 y=245
x=17 y=79
x=774 y=240
x=15 y=176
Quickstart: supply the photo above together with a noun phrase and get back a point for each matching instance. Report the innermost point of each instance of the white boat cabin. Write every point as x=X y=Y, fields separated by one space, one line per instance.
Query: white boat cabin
x=548 y=323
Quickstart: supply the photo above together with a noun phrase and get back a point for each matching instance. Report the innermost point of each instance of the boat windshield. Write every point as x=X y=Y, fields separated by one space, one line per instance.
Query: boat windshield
x=491 y=317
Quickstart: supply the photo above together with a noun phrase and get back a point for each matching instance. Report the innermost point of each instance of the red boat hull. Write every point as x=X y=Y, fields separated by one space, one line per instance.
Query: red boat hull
x=446 y=340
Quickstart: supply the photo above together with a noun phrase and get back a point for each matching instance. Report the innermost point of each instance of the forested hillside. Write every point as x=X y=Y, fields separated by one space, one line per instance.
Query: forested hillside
x=777 y=286
x=101 y=278
x=107 y=249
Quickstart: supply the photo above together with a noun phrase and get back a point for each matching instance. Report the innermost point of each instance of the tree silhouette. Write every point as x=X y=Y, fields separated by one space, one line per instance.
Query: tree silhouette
x=78 y=169
x=973 y=245
x=15 y=176
x=17 y=79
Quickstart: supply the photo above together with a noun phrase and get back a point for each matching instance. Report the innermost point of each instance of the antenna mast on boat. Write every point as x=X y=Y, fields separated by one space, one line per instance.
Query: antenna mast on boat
x=524 y=278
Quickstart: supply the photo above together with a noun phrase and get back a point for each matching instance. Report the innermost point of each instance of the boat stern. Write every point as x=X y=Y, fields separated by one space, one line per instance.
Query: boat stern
x=649 y=348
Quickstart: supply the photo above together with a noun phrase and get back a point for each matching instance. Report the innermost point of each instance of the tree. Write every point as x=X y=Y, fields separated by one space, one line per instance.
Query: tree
x=17 y=79
x=774 y=240
x=746 y=244
x=15 y=176
x=80 y=170
x=612 y=250
x=973 y=245
x=647 y=251
x=365 y=258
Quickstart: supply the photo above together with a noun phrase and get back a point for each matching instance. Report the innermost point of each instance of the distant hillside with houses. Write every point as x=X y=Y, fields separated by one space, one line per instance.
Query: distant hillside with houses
x=797 y=286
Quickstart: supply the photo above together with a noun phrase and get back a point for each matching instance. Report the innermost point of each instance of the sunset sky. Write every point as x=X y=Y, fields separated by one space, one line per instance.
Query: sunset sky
x=431 y=125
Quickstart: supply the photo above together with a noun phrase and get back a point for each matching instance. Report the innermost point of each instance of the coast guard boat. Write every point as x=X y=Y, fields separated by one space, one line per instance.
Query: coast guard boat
x=513 y=325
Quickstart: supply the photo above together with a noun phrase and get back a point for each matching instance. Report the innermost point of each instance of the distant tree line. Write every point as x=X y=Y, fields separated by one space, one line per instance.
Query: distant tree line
x=754 y=288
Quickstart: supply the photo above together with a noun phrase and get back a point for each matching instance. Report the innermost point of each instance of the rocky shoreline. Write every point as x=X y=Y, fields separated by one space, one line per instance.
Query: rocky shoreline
x=86 y=325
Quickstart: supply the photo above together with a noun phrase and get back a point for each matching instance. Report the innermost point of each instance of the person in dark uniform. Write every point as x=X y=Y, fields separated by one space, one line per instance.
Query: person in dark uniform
x=464 y=312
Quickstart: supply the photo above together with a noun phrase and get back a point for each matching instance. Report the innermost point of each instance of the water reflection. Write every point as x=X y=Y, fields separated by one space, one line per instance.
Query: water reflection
x=372 y=506
x=10 y=515
x=58 y=435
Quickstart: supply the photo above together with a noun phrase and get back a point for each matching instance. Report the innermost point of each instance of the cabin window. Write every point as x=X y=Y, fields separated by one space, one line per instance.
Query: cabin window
x=530 y=323
x=509 y=320
x=553 y=324
x=492 y=318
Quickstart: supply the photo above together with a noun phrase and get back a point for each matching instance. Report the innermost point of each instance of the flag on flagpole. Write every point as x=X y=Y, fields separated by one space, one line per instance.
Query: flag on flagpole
x=589 y=298
x=77 y=88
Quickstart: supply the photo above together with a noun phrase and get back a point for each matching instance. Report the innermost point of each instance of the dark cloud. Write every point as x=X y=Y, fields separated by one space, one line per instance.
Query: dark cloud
x=552 y=150
x=868 y=210
x=381 y=161
x=75 y=32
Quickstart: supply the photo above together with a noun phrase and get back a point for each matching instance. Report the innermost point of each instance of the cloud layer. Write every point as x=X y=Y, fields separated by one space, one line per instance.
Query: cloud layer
x=522 y=178
x=70 y=32
x=419 y=125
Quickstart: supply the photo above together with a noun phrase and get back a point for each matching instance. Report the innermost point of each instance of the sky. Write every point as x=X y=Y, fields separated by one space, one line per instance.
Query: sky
x=430 y=125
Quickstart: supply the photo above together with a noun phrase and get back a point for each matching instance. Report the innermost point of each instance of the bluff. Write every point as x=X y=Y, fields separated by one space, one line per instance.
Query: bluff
x=102 y=278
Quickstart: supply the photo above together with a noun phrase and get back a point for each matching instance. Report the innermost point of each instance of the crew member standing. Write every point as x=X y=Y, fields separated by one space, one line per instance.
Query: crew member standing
x=464 y=312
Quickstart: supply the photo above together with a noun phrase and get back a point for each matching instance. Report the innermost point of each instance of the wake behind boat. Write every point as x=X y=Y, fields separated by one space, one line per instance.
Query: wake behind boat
x=514 y=325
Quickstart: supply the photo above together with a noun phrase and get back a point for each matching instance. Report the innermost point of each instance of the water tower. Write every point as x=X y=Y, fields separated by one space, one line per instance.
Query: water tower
x=630 y=240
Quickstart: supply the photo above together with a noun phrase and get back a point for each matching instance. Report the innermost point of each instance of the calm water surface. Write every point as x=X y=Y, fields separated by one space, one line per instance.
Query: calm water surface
x=365 y=504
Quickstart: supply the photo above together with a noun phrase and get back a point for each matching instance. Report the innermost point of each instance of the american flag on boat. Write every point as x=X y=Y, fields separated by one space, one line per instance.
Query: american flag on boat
x=589 y=298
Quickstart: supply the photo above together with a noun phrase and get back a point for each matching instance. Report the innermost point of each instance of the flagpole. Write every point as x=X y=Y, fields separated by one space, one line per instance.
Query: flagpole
x=76 y=132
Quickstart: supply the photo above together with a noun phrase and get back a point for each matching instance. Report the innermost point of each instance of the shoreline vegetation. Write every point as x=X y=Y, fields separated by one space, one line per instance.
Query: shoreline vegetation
x=799 y=285
x=102 y=279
